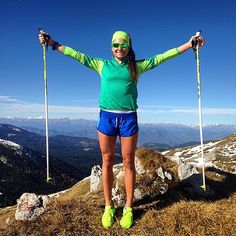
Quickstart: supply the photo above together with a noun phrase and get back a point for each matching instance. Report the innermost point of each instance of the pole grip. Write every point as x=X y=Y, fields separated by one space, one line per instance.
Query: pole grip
x=198 y=33
x=41 y=30
x=46 y=36
x=195 y=41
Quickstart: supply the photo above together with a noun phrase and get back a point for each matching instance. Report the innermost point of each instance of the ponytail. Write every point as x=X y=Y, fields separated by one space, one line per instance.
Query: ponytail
x=132 y=63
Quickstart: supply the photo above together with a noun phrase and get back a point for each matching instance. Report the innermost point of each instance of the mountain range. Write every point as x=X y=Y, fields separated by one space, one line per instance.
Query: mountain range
x=168 y=134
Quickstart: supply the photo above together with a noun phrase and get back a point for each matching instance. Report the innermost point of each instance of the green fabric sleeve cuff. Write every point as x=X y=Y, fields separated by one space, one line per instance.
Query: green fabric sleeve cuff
x=178 y=51
x=64 y=49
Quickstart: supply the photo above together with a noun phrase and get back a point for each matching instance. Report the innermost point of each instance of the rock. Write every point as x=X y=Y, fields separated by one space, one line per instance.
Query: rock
x=168 y=175
x=152 y=177
x=8 y=220
x=163 y=189
x=96 y=179
x=137 y=194
x=118 y=195
x=30 y=206
x=188 y=174
x=160 y=173
x=185 y=170
x=140 y=170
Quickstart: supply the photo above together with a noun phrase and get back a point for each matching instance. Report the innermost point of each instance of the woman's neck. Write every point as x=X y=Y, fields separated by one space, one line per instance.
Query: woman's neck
x=118 y=60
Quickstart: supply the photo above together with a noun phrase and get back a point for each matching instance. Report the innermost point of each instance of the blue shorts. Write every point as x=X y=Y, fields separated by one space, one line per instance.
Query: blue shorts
x=113 y=124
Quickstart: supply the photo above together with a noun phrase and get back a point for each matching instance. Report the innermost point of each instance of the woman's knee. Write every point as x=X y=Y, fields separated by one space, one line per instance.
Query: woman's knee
x=107 y=159
x=128 y=161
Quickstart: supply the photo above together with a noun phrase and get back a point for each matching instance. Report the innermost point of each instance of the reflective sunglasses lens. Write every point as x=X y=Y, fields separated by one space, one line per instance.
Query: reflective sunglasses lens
x=122 y=45
x=115 y=45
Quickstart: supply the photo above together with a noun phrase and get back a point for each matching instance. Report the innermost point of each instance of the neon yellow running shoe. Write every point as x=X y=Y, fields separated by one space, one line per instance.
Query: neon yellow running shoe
x=127 y=218
x=108 y=216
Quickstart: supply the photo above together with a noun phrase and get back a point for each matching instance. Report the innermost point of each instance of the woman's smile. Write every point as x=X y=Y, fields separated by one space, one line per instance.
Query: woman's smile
x=119 y=52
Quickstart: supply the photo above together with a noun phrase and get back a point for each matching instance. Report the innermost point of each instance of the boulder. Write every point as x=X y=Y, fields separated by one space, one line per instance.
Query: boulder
x=188 y=173
x=96 y=179
x=153 y=177
x=30 y=206
x=185 y=170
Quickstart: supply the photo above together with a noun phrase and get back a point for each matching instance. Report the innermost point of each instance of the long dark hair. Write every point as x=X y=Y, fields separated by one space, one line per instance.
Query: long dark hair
x=132 y=63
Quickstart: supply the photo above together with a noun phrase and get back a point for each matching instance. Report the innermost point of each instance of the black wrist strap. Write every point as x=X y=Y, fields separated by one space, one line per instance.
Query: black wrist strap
x=55 y=45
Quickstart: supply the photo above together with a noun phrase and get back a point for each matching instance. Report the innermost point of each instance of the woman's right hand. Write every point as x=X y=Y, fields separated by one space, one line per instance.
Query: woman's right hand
x=44 y=38
x=41 y=38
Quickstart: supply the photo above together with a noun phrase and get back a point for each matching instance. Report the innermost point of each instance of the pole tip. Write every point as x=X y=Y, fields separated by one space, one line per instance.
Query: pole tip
x=48 y=179
x=40 y=30
x=203 y=187
x=198 y=33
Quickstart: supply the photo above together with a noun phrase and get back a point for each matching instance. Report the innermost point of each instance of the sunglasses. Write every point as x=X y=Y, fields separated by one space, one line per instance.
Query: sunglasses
x=121 y=45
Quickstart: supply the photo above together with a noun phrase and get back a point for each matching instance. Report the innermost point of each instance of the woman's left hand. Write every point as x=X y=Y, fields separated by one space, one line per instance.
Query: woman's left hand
x=200 y=40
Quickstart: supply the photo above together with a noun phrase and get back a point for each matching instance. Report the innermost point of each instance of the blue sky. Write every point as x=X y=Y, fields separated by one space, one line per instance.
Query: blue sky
x=166 y=94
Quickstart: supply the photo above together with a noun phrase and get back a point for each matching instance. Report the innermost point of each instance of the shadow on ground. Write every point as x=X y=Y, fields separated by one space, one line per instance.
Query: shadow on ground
x=220 y=183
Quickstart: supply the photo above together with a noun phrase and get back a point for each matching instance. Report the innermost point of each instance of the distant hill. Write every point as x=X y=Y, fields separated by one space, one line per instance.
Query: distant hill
x=170 y=134
x=160 y=147
x=71 y=159
x=177 y=134
x=24 y=170
x=78 y=152
x=157 y=146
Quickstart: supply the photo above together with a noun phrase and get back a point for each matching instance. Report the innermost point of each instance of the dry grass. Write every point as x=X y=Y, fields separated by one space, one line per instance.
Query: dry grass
x=166 y=216
x=225 y=163
x=150 y=159
x=193 y=218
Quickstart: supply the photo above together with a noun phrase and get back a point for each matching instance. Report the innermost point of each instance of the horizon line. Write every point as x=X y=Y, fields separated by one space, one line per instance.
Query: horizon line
x=148 y=123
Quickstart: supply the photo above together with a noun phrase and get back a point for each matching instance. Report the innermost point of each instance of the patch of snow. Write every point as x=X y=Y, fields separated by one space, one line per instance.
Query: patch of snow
x=177 y=154
x=200 y=161
x=88 y=149
x=3 y=160
x=10 y=143
x=17 y=129
x=34 y=118
x=165 y=152
x=58 y=193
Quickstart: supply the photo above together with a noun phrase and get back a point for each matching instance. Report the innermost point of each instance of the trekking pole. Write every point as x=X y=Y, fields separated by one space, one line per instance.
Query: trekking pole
x=44 y=46
x=196 y=50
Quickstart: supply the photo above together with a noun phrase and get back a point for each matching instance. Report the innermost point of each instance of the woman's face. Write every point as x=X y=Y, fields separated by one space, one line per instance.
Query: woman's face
x=120 y=49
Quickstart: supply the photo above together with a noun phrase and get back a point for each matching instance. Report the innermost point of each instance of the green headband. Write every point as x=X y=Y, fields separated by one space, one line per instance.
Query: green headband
x=121 y=35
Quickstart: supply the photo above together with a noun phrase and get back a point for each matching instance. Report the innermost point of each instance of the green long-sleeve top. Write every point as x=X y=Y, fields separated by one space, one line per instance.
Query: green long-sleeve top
x=118 y=89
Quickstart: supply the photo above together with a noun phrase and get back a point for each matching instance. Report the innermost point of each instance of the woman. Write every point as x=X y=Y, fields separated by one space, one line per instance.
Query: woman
x=118 y=104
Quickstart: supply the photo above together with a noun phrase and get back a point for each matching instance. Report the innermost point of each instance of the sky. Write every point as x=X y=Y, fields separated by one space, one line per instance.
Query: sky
x=167 y=94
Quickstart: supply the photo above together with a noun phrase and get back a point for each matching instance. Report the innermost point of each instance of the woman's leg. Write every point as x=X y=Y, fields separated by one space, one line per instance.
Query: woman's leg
x=107 y=146
x=128 y=147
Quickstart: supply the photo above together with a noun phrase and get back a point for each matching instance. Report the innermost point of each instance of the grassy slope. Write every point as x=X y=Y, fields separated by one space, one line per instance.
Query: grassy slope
x=77 y=213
